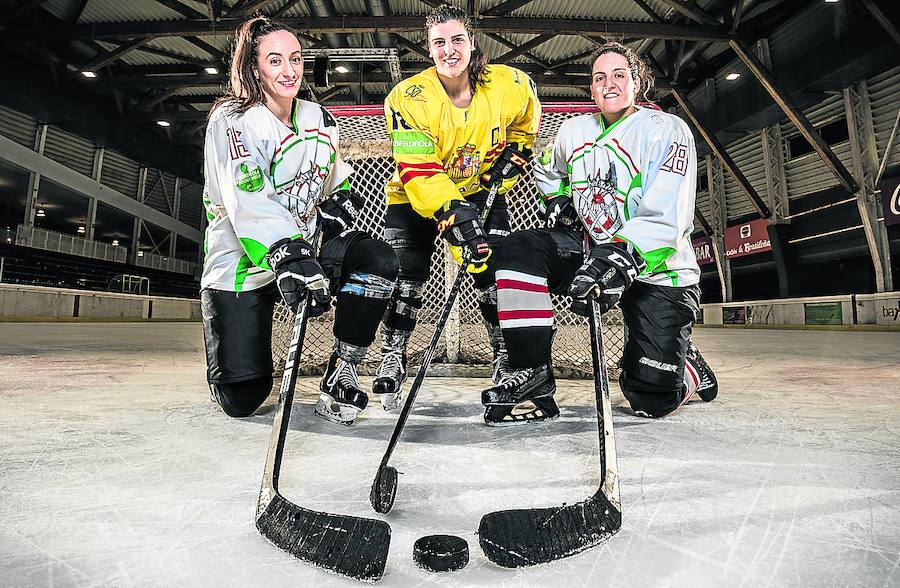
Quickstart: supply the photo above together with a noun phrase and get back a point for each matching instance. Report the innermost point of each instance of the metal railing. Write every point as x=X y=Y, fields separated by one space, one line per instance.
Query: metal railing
x=170 y=264
x=30 y=236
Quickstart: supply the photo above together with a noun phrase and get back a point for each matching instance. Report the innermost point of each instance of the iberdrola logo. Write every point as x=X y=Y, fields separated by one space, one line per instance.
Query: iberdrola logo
x=249 y=178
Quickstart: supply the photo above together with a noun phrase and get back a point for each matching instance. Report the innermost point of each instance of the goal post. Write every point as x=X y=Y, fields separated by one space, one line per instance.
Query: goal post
x=365 y=145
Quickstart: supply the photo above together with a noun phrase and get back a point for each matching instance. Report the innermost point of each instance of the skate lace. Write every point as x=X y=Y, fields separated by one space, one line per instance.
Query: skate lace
x=391 y=364
x=517 y=378
x=345 y=375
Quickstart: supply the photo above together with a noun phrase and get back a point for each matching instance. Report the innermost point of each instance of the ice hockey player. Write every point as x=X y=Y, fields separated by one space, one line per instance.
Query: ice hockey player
x=452 y=127
x=274 y=182
x=625 y=177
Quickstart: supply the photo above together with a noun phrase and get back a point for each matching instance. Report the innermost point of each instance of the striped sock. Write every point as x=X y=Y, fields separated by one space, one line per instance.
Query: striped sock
x=526 y=317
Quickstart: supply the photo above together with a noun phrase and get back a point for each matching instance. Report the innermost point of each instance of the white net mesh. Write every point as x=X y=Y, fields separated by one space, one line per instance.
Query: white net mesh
x=365 y=144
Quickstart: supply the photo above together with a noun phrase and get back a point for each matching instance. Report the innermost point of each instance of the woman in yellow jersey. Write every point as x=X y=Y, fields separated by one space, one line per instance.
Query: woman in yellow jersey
x=452 y=127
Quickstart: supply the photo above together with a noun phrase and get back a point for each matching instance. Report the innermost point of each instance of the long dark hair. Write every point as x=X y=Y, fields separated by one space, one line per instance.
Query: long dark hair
x=244 y=89
x=640 y=71
x=478 y=68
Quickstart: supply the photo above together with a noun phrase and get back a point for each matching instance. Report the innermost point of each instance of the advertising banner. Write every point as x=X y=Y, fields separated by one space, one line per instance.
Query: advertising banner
x=734 y=315
x=890 y=200
x=703 y=249
x=747 y=239
x=823 y=313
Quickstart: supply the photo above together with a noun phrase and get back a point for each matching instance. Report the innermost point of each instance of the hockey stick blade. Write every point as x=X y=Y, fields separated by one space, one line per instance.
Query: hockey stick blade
x=526 y=537
x=384 y=489
x=352 y=546
x=384 y=486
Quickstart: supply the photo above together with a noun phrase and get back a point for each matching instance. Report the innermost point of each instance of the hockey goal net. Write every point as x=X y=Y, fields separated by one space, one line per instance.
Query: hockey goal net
x=464 y=344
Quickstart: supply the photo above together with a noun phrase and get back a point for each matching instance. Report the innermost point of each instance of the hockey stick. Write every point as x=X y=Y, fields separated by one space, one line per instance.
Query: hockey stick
x=384 y=487
x=352 y=546
x=529 y=536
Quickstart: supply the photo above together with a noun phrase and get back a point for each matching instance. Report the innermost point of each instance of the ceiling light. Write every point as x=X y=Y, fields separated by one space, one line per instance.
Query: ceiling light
x=115 y=242
x=211 y=70
x=732 y=76
x=164 y=123
x=89 y=74
x=341 y=69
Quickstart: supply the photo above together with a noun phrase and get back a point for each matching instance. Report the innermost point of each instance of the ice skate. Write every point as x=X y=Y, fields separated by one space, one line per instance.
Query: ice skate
x=341 y=398
x=708 y=386
x=388 y=382
x=500 y=364
x=524 y=396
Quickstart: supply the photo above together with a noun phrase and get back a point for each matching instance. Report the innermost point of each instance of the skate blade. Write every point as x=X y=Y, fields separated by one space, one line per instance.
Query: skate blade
x=335 y=412
x=504 y=416
x=390 y=402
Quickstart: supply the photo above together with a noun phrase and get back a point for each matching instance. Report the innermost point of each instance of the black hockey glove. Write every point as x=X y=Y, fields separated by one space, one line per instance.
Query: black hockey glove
x=608 y=271
x=297 y=272
x=338 y=212
x=558 y=211
x=509 y=164
x=458 y=223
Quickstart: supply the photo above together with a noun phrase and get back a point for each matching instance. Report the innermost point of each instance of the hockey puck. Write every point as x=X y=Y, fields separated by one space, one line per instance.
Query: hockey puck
x=441 y=553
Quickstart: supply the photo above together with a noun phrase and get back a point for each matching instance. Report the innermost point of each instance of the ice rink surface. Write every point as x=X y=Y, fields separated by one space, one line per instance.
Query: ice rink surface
x=117 y=470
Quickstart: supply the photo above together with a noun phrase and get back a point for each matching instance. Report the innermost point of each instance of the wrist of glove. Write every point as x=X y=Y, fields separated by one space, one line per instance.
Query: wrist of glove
x=608 y=271
x=458 y=223
x=298 y=274
x=558 y=211
x=338 y=211
x=509 y=164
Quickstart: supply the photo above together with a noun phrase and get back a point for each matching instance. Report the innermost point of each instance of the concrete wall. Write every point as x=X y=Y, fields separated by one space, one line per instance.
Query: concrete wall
x=860 y=309
x=881 y=309
x=37 y=302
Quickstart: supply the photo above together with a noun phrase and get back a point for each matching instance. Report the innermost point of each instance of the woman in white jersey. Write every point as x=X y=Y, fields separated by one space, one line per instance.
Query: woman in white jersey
x=624 y=177
x=275 y=183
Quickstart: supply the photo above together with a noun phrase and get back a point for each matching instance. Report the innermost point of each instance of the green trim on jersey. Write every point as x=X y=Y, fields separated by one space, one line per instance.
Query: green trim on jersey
x=241 y=272
x=655 y=259
x=256 y=253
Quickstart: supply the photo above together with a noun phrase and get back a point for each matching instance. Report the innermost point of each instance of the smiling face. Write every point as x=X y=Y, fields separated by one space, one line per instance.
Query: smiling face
x=279 y=64
x=450 y=47
x=613 y=86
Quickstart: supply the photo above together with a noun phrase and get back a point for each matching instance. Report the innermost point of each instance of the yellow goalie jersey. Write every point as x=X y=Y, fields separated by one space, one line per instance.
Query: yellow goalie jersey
x=441 y=150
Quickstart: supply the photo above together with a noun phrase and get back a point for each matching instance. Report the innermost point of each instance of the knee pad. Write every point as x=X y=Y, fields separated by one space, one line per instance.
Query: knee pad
x=241 y=399
x=522 y=251
x=368 y=286
x=405 y=305
x=653 y=400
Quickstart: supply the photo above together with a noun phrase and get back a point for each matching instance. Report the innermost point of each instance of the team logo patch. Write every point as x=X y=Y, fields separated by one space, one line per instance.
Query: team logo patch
x=599 y=204
x=414 y=91
x=411 y=143
x=464 y=163
x=249 y=177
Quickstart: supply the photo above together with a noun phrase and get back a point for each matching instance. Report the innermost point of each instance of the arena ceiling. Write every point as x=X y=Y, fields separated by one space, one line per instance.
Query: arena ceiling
x=112 y=70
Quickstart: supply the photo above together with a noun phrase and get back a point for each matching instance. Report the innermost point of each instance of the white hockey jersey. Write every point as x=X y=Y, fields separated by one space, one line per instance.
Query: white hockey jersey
x=263 y=182
x=633 y=180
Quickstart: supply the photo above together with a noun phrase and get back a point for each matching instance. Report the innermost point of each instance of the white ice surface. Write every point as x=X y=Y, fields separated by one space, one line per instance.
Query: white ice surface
x=116 y=470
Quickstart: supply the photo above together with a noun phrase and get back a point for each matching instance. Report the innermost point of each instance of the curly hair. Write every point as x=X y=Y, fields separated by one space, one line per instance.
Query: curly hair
x=640 y=71
x=243 y=88
x=478 y=67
